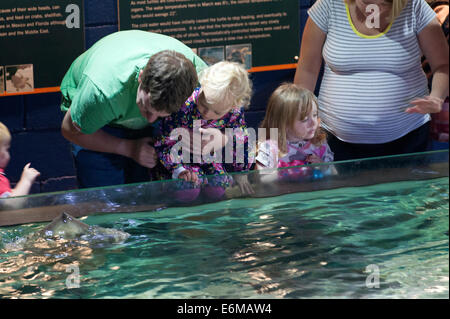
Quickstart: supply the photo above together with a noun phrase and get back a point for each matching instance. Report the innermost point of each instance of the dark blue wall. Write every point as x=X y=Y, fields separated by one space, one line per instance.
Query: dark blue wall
x=35 y=120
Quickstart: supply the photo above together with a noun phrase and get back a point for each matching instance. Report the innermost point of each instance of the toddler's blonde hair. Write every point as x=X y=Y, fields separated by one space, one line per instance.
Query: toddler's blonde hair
x=5 y=135
x=286 y=104
x=227 y=81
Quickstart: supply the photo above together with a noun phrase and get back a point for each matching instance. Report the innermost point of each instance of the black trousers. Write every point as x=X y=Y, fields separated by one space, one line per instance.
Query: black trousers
x=413 y=142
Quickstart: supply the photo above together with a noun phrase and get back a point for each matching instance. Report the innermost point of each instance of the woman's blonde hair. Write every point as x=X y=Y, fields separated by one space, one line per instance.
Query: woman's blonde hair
x=397 y=7
x=227 y=81
x=5 y=135
x=288 y=103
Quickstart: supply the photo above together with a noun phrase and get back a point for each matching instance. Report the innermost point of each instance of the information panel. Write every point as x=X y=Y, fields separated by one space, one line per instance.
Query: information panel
x=38 y=42
x=262 y=34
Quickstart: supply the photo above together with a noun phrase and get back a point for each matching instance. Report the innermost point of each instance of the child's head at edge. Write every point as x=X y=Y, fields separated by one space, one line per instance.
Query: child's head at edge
x=224 y=86
x=287 y=104
x=5 y=140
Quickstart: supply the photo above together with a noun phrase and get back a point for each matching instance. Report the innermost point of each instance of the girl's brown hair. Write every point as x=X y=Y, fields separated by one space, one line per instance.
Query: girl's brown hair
x=286 y=104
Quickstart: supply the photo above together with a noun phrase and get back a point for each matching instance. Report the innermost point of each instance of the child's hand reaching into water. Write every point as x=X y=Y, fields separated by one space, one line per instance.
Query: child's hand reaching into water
x=189 y=176
x=313 y=158
x=244 y=185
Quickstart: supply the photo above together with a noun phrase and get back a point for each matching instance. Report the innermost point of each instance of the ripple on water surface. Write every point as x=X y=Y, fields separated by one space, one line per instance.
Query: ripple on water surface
x=307 y=245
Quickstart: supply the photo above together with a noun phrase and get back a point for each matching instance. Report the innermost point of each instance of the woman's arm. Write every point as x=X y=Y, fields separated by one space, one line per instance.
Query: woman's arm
x=435 y=48
x=310 y=56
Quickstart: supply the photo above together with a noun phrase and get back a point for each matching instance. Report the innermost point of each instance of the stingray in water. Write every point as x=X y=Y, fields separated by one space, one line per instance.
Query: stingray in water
x=67 y=228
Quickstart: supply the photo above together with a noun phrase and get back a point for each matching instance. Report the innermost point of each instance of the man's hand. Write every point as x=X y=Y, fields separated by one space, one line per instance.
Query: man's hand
x=143 y=153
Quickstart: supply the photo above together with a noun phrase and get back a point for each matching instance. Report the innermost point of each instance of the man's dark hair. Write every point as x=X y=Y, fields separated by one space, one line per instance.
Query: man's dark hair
x=170 y=78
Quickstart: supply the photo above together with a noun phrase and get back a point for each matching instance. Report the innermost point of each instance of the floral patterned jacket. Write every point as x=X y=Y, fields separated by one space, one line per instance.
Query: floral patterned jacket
x=185 y=118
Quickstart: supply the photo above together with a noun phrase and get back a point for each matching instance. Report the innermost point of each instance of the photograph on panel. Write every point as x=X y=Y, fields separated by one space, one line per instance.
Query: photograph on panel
x=19 y=78
x=2 y=81
x=240 y=53
x=211 y=55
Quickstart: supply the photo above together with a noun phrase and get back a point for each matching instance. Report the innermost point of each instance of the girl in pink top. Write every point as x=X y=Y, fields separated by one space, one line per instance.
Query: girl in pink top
x=293 y=111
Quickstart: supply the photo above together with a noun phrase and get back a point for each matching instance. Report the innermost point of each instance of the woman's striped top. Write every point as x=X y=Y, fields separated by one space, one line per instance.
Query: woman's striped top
x=369 y=81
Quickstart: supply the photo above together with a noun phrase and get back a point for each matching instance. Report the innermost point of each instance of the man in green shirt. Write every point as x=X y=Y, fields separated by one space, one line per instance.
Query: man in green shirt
x=111 y=94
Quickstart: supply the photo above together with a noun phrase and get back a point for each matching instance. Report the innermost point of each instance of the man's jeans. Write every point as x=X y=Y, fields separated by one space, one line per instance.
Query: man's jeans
x=95 y=169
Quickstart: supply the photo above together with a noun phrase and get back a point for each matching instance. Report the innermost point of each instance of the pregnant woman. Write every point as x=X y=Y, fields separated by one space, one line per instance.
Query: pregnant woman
x=374 y=99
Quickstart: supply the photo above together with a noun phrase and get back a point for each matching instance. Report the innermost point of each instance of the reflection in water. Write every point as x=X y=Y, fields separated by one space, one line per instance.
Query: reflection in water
x=30 y=273
x=270 y=257
x=41 y=267
x=308 y=245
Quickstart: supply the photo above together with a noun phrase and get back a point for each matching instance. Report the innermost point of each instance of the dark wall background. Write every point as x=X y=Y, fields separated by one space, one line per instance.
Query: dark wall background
x=35 y=120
